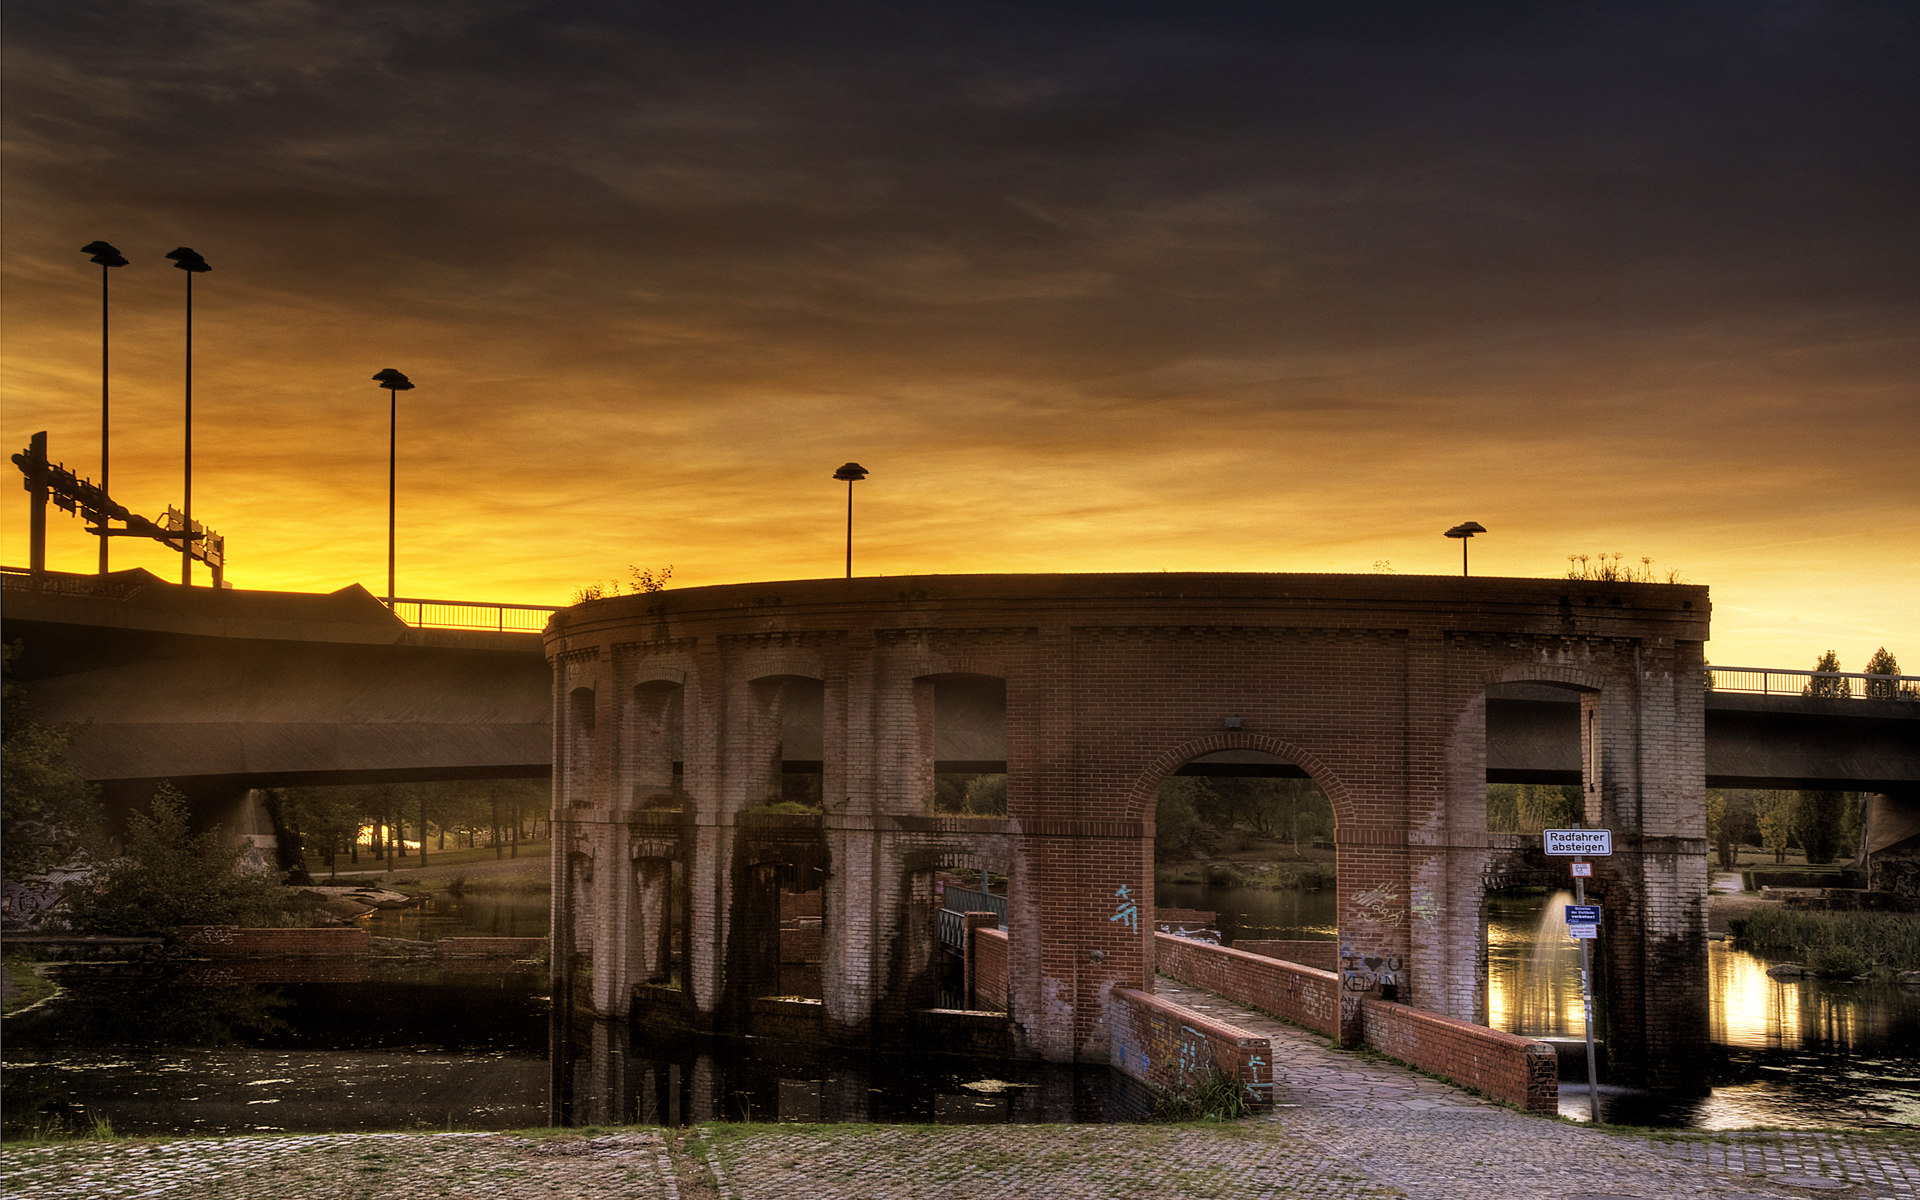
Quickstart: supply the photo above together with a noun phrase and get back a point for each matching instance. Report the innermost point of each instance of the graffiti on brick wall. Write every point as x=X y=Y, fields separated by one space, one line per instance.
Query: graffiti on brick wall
x=1194 y=1054
x=1380 y=905
x=1426 y=907
x=1365 y=972
x=1127 y=911
x=1257 y=1068
x=26 y=903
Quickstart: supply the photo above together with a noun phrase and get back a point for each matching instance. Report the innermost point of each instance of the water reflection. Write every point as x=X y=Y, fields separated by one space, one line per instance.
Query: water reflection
x=1785 y=1052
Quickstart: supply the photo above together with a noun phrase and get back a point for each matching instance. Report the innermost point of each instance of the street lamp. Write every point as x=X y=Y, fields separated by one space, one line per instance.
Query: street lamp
x=1463 y=532
x=106 y=256
x=850 y=472
x=190 y=262
x=395 y=383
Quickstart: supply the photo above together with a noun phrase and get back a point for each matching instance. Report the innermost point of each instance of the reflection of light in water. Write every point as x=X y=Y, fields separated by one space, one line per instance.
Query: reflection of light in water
x=1533 y=973
x=1748 y=1007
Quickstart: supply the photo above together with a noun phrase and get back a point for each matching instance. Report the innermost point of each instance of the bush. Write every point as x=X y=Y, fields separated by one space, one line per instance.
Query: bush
x=171 y=877
x=1883 y=942
x=1218 y=1097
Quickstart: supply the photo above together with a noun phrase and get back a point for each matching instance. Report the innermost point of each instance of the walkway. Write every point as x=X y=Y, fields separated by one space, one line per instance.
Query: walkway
x=1345 y=1126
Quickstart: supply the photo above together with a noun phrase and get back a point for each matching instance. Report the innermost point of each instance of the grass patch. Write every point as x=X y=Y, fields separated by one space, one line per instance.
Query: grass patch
x=33 y=987
x=1832 y=943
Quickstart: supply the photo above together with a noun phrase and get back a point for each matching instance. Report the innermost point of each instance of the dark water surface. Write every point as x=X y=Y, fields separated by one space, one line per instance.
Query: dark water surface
x=403 y=1048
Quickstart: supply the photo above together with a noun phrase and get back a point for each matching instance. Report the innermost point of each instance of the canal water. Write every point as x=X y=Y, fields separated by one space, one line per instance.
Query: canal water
x=407 y=1047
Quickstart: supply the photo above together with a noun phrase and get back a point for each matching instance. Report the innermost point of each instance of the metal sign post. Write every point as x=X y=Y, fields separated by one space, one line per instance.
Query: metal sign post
x=1583 y=925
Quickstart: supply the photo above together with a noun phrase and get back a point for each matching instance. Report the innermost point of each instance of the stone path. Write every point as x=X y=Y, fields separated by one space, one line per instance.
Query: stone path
x=1345 y=1126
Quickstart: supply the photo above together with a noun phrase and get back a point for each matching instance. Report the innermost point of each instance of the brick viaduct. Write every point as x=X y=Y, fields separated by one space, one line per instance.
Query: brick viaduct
x=677 y=715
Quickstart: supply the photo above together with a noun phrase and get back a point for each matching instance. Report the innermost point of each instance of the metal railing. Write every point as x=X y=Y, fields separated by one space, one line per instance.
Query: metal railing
x=111 y=587
x=472 y=614
x=1839 y=685
x=959 y=901
x=953 y=928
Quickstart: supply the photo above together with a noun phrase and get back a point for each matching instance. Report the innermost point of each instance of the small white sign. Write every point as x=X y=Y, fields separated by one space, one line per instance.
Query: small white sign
x=1582 y=870
x=1578 y=843
x=1583 y=931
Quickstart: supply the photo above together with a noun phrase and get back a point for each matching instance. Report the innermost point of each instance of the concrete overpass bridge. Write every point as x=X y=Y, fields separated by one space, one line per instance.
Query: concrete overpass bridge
x=229 y=690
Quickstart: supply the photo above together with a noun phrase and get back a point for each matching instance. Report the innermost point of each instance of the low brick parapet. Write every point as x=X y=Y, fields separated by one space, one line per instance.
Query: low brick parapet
x=1321 y=955
x=1172 y=1048
x=1520 y=1071
x=1290 y=991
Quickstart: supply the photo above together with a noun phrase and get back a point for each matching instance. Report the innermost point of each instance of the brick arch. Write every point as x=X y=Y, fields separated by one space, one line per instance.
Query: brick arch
x=1145 y=794
x=1533 y=672
x=998 y=859
x=927 y=665
x=787 y=667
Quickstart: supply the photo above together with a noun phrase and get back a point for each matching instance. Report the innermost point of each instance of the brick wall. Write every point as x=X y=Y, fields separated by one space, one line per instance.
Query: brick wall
x=1288 y=990
x=227 y=941
x=1172 y=1049
x=1321 y=955
x=988 y=969
x=1506 y=1066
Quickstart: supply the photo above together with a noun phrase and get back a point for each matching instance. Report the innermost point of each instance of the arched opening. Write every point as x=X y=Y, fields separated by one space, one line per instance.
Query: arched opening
x=578 y=771
x=1244 y=855
x=777 y=934
x=790 y=725
x=969 y=744
x=950 y=943
x=658 y=926
x=653 y=745
x=1543 y=752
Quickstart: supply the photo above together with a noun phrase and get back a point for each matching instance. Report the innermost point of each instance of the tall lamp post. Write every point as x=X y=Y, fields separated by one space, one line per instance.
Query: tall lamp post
x=106 y=256
x=190 y=262
x=850 y=472
x=395 y=383
x=1463 y=532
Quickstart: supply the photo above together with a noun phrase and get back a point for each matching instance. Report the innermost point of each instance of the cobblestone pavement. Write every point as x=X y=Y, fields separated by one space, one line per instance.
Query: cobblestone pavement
x=1344 y=1126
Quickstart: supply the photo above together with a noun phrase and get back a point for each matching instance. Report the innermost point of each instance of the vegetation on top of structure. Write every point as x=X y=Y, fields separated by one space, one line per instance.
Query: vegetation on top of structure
x=1607 y=568
x=641 y=581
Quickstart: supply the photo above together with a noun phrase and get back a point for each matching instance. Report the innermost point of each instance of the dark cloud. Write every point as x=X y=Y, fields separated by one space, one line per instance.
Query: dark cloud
x=1626 y=239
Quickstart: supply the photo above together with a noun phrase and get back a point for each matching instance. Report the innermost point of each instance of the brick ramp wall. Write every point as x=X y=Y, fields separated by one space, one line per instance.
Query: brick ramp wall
x=491 y=947
x=1321 y=955
x=227 y=941
x=1172 y=1048
x=1288 y=990
x=1506 y=1066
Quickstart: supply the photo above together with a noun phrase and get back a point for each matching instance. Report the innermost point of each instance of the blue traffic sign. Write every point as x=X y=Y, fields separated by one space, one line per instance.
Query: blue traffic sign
x=1583 y=914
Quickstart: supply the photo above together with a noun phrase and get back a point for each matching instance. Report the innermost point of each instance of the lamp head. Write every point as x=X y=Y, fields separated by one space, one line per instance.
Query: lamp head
x=188 y=260
x=1466 y=529
x=104 y=254
x=850 y=472
x=393 y=381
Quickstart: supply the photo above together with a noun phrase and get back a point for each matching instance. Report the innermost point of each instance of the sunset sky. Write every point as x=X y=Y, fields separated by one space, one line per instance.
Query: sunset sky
x=1086 y=287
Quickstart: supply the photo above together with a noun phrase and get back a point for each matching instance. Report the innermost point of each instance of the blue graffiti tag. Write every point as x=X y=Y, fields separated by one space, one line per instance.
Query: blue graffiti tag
x=1127 y=911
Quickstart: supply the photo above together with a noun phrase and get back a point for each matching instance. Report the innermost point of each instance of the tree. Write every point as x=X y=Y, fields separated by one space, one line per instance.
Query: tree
x=1177 y=819
x=1776 y=819
x=171 y=876
x=1883 y=663
x=48 y=813
x=1828 y=687
x=1820 y=824
x=1719 y=828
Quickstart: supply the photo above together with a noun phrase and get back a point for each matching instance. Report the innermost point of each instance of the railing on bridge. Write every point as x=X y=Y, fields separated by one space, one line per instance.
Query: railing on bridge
x=1840 y=685
x=112 y=587
x=957 y=902
x=472 y=614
